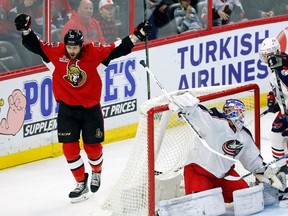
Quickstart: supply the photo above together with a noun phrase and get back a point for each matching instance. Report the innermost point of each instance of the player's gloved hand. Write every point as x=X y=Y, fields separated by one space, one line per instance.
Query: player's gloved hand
x=270 y=171
x=285 y=133
x=275 y=62
x=183 y=102
x=280 y=124
x=22 y=22
x=142 y=30
x=272 y=176
x=271 y=103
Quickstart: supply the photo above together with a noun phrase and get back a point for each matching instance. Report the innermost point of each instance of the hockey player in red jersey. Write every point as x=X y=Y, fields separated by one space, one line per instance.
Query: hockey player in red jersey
x=77 y=88
x=277 y=101
x=225 y=133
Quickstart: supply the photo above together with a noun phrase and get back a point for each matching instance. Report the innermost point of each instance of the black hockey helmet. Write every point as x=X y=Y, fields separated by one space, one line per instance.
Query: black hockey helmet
x=73 y=37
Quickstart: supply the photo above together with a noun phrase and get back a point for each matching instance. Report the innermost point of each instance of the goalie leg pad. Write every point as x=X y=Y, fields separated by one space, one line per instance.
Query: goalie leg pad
x=249 y=200
x=208 y=203
x=168 y=188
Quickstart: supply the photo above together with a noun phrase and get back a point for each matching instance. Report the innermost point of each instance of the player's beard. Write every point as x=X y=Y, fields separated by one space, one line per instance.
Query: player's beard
x=74 y=56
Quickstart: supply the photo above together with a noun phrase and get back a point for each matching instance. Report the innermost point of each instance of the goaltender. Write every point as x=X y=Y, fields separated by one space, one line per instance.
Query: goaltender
x=224 y=131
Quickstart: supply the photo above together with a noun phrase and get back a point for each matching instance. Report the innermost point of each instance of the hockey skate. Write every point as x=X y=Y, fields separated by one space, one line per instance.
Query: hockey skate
x=80 y=192
x=95 y=182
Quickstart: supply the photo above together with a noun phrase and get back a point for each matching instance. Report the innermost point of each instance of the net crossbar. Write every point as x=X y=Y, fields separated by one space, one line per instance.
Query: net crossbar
x=161 y=146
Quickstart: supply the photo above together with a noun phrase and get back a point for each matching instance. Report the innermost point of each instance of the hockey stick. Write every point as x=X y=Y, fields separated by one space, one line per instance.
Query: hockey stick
x=281 y=92
x=236 y=178
x=261 y=115
x=147 y=51
x=142 y=62
x=264 y=113
x=179 y=168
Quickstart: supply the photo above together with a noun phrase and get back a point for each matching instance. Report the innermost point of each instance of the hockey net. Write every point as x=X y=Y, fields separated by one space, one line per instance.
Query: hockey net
x=153 y=171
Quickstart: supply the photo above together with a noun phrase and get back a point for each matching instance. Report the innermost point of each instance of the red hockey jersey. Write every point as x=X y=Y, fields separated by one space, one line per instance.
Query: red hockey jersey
x=77 y=82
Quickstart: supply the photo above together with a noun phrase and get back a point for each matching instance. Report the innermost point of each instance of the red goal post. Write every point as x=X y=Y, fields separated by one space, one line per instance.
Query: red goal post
x=160 y=148
x=251 y=101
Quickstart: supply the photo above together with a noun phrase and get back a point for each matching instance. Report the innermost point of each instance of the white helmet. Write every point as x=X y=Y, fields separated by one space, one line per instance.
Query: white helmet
x=268 y=47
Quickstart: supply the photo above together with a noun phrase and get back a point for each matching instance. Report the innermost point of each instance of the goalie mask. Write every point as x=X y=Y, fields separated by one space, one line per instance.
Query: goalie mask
x=235 y=111
x=270 y=46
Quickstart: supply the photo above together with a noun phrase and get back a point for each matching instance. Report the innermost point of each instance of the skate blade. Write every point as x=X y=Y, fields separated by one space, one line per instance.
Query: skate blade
x=82 y=198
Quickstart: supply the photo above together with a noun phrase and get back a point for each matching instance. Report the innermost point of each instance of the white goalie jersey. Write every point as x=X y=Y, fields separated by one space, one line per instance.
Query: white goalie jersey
x=219 y=135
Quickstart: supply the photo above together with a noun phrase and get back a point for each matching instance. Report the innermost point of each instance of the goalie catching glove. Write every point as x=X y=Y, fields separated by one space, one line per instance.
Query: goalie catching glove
x=272 y=176
x=183 y=102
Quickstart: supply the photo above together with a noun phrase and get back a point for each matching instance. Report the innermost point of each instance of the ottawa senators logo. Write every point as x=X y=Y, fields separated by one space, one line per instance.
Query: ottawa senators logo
x=75 y=76
x=232 y=147
x=98 y=133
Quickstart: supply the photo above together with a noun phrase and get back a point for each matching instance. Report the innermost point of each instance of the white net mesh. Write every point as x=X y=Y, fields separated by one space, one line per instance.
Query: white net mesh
x=172 y=140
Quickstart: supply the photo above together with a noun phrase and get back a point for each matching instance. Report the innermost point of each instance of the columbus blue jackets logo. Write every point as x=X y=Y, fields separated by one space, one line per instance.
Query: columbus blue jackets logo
x=232 y=147
x=75 y=76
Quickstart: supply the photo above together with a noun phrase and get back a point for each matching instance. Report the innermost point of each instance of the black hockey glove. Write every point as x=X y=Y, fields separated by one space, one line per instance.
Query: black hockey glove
x=22 y=22
x=280 y=124
x=271 y=103
x=285 y=133
x=275 y=62
x=142 y=30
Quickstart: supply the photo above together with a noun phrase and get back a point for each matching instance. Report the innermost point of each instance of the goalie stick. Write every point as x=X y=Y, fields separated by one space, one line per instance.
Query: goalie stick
x=236 y=178
x=261 y=115
x=142 y=62
x=147 y=51
x=179 y=168
x=264 y=113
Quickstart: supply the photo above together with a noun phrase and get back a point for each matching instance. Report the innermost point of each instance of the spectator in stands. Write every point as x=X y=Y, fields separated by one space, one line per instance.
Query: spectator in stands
x=83 y=20
x=6 y=21
x=226 y=11
x=282 y=7
x=13 y=55
x=105 y=18
x=35 y=8
x=259 y=8
x=61 y=13
x=186 y=17
x=160 y=15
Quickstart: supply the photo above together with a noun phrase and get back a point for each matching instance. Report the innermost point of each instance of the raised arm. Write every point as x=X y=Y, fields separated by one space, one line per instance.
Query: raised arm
x=29 y=38
x=124 y=47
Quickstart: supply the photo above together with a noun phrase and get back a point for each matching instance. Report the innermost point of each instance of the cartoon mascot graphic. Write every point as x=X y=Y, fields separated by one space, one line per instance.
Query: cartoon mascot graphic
x=15 y=115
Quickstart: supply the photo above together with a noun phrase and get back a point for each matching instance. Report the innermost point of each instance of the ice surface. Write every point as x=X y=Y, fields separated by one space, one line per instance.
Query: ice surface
x=41 y=188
